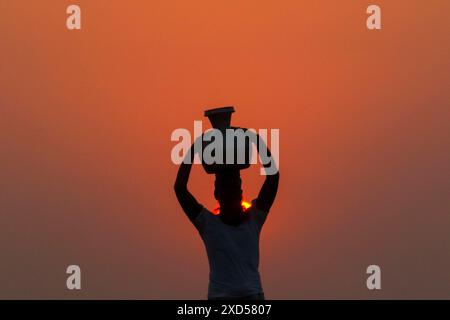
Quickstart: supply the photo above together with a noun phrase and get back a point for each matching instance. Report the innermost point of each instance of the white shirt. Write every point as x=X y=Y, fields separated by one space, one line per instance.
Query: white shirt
x=233 y=253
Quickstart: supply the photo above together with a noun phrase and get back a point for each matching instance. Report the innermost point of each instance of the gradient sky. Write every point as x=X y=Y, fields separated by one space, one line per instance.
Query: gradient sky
x=86 y=117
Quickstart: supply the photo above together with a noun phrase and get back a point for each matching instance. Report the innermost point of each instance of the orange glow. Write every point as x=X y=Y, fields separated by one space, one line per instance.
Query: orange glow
x=245 y=204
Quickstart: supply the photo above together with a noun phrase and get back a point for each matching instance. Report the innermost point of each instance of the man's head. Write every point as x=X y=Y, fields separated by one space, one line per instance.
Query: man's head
x=228 y=190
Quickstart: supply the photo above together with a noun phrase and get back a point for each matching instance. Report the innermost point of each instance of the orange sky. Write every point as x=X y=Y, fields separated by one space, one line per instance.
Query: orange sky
x=86 y=118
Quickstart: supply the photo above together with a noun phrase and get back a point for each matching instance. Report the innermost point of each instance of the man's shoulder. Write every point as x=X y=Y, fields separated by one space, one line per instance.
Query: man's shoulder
x=202 y=218
x=257 y=214
x=254 y=208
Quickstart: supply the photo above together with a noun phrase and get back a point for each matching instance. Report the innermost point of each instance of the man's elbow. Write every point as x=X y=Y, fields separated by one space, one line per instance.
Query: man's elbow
x=179 y=187
x=275 y=176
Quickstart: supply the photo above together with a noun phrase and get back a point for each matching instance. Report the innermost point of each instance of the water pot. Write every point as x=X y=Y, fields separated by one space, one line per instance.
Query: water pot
x=239 y=153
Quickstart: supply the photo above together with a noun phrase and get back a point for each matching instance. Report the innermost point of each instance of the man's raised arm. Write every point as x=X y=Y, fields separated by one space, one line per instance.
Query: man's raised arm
x=269 y=189
x=187 y=201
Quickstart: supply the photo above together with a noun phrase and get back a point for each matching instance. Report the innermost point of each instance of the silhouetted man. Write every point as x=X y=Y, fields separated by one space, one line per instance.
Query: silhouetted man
x=232 y=237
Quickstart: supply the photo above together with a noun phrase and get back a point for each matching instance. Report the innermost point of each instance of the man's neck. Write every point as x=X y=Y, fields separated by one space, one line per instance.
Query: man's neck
x=232 y=216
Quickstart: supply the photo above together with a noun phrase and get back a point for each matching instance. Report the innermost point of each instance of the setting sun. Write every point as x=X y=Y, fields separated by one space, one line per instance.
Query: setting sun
x=245 y=205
